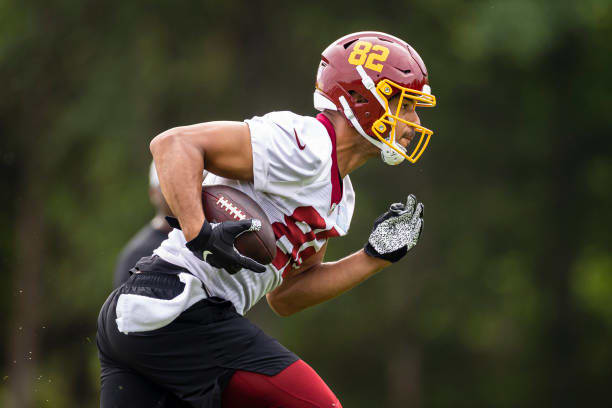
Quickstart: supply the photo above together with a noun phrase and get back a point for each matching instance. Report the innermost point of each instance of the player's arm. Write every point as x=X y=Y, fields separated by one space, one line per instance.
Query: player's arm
x=320 y=281
x=182 y=153
x=394 y=234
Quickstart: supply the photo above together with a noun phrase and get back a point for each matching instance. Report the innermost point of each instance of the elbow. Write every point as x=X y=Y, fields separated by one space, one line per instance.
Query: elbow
x=162 y=141
x=282 y=309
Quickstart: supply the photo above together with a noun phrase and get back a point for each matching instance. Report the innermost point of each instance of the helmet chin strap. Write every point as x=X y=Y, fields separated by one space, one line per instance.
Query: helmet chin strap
x=389 y=155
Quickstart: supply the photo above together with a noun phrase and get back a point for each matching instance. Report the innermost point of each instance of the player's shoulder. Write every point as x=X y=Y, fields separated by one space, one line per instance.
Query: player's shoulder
x=288 y=119
x=305 y=133
x=296 y=143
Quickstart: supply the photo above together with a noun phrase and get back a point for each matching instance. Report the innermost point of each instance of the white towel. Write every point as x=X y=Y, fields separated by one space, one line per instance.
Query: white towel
x=136 y=313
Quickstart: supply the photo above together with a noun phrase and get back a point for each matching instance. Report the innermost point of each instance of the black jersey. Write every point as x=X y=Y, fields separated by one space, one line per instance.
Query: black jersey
x=141 y=245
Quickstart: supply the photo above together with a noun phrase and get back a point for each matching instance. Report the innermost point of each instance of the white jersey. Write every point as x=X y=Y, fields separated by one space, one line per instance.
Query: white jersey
x=297 y=183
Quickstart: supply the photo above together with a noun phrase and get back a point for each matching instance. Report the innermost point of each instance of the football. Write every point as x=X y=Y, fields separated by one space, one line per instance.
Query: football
x=224 y=203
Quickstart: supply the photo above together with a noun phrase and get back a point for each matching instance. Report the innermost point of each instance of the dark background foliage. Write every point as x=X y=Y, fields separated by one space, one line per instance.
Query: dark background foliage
x=506 y=301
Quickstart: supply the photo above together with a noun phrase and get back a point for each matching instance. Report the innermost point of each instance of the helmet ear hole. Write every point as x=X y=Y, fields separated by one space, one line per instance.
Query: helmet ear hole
x=357 y=97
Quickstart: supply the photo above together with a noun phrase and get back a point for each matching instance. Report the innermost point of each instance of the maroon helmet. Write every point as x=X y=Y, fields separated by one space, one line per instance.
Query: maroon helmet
x=357 y=76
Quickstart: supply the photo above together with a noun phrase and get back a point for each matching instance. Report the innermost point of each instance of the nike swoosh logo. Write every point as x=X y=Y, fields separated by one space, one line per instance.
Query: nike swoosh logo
x=301 y=146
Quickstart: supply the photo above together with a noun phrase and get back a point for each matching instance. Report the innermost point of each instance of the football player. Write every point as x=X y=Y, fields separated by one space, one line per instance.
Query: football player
x=176 y=328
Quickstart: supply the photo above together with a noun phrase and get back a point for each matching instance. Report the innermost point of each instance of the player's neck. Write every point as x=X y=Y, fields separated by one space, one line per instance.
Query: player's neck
x=352 y=150
x=350 y=158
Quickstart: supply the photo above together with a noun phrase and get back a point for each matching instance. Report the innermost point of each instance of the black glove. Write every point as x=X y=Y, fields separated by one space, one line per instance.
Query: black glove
x=396 y=231
x=215 y=244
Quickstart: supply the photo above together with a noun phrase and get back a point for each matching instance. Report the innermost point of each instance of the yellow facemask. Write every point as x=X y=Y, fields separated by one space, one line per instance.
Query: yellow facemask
x=387 y=123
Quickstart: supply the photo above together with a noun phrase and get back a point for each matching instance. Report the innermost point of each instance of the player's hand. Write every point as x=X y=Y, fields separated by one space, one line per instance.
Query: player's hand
x=215 y=244
x=396 y=231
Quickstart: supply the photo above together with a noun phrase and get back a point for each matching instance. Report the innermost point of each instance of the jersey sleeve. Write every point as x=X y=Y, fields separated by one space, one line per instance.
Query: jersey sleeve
x=289 y=152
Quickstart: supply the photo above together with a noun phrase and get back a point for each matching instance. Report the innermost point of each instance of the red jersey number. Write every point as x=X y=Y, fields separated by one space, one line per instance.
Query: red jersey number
x=299 y=252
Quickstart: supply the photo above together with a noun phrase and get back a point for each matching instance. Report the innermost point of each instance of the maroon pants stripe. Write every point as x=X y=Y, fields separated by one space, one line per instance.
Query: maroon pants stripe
x=297 y=386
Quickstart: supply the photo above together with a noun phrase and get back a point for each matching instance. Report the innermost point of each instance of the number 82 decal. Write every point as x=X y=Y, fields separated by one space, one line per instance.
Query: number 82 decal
x=361 y=53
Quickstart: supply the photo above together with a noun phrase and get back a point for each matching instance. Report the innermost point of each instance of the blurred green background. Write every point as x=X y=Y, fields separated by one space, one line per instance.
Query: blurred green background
x=507 y=300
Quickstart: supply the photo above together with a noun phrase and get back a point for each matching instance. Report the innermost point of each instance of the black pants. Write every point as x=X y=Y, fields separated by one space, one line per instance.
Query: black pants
x=191 y=360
